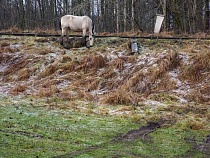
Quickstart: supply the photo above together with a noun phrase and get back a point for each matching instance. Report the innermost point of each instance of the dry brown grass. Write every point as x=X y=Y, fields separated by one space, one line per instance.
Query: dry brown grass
x=141 y=83
x=20 y=88
x=163 y=97
x=43 y=51
x=118 y=97
x=165 y=84
x=197 y=96
x=117 y=64
x=14 y=68
x=121 y=96
x=24 y=74
x=4 y=44
x=66 y=58
x=118 y=78
x=15 y=29
x=48 y=91
x=68 y=66
x=8 y=49
x=49 y=70
x=93 y=85
x=65 y=96
x=170 y=61
x=198 y=68
x=91 y=62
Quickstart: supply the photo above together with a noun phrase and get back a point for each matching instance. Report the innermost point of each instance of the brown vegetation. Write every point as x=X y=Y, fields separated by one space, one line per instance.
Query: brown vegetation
x=107 y=75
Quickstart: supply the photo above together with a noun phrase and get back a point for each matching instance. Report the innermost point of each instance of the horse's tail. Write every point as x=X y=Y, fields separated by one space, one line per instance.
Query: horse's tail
x=60 y=25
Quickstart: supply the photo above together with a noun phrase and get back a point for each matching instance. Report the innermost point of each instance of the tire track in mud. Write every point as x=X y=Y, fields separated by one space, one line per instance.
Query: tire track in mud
x=132 y=135
x=143 y=132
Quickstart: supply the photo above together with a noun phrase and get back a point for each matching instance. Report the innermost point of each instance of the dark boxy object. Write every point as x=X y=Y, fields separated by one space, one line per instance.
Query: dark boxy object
x=134 y=46
x=72 y=42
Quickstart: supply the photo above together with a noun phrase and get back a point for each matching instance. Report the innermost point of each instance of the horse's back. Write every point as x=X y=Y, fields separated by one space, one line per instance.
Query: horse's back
x=75 y=18
x=76 y=22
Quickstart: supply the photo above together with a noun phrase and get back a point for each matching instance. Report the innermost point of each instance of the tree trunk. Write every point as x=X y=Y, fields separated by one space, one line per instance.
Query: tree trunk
x=118 y=14
x=102 y=15
x=207 y=16
x=124 y=18
x=132 y=16
x=164 y=13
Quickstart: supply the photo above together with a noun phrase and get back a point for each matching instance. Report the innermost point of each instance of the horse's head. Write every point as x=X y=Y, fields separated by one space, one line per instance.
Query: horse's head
x=91 y=39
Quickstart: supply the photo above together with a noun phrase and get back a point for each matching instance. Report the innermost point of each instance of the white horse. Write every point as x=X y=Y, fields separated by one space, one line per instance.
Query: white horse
x=78 y=23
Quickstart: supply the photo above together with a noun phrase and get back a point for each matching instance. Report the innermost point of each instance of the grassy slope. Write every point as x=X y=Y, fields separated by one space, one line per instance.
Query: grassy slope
x=32 y=128
x=35 y=127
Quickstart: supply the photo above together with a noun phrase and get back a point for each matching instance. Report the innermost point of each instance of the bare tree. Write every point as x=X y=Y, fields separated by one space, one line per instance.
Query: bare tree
x=189 y=16
x=132 y=16
x=207 y=15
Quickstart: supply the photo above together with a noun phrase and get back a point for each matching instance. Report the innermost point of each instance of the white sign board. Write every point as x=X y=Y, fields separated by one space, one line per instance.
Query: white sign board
x=158 y=23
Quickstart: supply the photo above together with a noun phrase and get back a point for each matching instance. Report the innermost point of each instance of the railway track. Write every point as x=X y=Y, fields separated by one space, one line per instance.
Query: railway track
x=152 y=37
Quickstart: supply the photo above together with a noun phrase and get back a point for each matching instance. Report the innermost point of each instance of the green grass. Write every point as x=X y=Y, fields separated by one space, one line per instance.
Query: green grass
x=34 y=129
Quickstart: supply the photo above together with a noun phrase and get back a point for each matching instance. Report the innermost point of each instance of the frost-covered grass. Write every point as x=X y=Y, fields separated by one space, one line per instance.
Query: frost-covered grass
x=32 y=127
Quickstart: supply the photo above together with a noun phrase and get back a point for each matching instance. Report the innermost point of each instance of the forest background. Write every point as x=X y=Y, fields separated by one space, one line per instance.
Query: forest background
x=181 y=16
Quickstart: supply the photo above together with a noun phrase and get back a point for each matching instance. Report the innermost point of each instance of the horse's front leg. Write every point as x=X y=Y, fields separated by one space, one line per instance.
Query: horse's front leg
x=84 y=37
x=65 y=32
